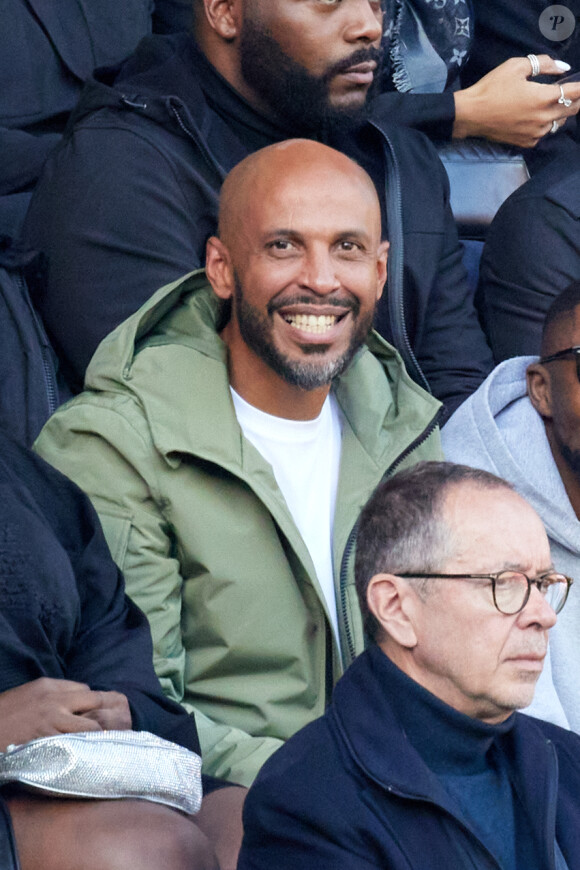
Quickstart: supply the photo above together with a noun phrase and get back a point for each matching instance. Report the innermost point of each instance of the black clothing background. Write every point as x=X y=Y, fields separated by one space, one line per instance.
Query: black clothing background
x=531 y=254
x=47 y=51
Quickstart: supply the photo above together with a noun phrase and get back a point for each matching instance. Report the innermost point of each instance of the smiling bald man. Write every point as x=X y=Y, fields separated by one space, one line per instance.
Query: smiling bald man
x=228 y=437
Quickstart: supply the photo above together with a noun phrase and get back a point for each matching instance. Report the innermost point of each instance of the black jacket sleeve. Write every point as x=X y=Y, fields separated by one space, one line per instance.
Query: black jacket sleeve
x=432 y=114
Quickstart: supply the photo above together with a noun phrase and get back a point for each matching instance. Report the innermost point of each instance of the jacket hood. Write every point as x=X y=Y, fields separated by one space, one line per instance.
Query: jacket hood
x=160 y=71
x=498 y=429
x=166 y=349
x=160 y=82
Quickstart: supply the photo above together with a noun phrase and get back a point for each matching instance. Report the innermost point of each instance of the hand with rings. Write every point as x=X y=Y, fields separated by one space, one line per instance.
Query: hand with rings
x=506 y=105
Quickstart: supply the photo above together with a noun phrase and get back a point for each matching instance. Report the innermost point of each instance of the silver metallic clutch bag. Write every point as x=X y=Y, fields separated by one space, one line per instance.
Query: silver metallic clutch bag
x=107 y=764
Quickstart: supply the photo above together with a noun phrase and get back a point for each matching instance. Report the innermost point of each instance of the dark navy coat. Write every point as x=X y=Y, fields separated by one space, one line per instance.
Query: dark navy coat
x=350 y=792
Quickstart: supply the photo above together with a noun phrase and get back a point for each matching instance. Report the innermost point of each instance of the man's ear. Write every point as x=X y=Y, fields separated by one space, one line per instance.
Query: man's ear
x=539 y=389
x=382 y=268
x=223 y=17
x=389 y=600
x=218 y=268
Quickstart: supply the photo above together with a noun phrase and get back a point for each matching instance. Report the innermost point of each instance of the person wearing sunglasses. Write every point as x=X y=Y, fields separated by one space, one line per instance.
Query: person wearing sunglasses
x=422 y=760
x=524 y=424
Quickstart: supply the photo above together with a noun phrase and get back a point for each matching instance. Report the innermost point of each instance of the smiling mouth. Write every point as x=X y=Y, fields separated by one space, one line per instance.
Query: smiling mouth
x=317 y=324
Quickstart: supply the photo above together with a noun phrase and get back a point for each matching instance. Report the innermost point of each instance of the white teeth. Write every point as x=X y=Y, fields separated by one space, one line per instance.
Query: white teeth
x=311 y=322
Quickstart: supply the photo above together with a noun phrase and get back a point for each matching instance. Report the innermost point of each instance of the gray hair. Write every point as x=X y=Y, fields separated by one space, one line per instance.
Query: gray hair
x=402 y=527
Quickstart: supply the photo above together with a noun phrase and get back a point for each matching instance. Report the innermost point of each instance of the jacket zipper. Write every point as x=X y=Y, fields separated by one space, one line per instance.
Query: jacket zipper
x=198 y=141
x=352 y=537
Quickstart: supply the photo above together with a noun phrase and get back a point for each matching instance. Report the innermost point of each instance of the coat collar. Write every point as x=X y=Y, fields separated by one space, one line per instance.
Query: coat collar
x=364 y=710
x=170 y=356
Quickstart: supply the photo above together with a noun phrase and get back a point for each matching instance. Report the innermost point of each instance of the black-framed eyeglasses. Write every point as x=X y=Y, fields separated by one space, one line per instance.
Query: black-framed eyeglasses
x=511 y=589
x=562 y=354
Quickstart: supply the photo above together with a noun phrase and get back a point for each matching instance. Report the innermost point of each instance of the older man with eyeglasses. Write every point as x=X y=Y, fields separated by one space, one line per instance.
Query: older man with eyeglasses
x=524 y=425
x=421 y=761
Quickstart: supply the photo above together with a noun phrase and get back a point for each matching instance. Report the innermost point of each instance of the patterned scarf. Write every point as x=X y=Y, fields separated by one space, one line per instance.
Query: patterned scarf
x=426 y=42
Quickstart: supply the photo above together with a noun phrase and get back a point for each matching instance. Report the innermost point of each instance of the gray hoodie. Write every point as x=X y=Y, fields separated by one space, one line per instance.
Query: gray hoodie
x=498 y=429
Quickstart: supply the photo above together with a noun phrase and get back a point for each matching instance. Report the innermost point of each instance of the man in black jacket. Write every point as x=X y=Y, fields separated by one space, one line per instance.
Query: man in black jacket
x=128 y=201
x=75 y=656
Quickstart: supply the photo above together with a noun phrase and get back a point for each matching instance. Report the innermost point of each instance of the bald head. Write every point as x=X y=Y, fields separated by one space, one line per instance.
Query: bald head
x=297 y=164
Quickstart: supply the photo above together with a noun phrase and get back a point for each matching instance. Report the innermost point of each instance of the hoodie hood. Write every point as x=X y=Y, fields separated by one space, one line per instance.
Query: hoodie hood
x=498 y=429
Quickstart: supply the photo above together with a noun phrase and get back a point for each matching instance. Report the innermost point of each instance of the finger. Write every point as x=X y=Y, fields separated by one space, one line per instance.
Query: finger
x=83 y=701
x=81 y=723
x=551 y=66
x=553 y=126
x=112 y=720
x=566 y=101
x=114 y=712
x=112 y=700
x=568 y=97
x=52 y=684
x=68 y=723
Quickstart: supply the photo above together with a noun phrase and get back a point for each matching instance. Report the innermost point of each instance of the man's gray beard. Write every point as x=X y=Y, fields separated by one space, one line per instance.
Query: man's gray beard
x=295 y=96
x=255 y=329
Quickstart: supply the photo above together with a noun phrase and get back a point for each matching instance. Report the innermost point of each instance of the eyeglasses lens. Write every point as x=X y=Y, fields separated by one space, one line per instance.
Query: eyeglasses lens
x=556 y=592
x=511 y=589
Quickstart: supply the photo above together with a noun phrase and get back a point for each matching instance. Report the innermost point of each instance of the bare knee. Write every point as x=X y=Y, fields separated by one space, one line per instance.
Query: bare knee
x=107 y=835
x=152 y=836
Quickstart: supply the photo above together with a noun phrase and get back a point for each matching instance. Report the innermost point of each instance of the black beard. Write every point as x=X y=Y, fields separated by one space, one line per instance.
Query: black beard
x=295 y=96
x=255 y=329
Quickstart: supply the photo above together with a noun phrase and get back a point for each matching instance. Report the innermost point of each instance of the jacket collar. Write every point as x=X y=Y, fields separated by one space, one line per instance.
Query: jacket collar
x=169 y=354
x=170 y=81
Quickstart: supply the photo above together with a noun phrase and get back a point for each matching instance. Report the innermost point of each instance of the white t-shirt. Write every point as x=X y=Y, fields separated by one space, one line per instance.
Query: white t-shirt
x=305 y=459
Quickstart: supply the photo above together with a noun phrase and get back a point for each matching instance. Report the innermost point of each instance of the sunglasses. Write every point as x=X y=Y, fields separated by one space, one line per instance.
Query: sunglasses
x=562 y=354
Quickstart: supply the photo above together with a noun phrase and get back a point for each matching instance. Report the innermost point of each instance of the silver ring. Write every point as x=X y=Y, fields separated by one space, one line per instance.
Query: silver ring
x=533 y=59
x=555 y=127
x=562 y=98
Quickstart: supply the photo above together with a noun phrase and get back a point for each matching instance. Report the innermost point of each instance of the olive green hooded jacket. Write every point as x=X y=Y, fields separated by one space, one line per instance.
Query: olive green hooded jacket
x=196 y=522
